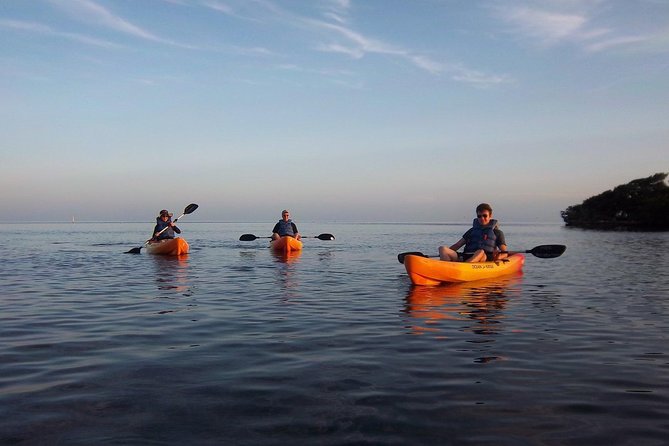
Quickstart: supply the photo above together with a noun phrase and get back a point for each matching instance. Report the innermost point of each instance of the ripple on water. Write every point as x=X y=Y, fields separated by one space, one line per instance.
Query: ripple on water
x=331 y=347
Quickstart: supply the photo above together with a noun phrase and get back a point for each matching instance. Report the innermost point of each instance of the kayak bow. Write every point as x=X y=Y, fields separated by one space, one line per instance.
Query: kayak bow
x=285 y=244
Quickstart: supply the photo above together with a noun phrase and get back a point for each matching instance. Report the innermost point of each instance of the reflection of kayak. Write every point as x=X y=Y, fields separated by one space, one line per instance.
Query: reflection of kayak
x=425 y=271
x=285 y=244
x=480 y=304
x=467 y=291
x=168 y=247
x=286 y=257
x=461 y=300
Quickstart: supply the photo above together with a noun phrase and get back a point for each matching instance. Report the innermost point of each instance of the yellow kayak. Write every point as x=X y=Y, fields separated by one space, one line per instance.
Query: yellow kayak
x=426 y=271
x=168 y=247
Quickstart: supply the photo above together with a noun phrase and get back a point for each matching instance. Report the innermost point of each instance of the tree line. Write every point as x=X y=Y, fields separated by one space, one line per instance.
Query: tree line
x=641 y=204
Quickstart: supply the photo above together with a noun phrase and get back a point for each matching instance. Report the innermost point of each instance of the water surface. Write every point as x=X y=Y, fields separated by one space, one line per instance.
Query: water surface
x=233 y=345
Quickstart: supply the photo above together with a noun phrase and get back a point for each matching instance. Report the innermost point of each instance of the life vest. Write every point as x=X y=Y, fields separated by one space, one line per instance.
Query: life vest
x=285 y=228
x=160 y=224
x=482 y=237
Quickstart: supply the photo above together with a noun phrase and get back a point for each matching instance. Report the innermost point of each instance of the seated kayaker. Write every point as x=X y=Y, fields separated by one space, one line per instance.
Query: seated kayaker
x=163 y=221
x=483 y=242
x=285 y=227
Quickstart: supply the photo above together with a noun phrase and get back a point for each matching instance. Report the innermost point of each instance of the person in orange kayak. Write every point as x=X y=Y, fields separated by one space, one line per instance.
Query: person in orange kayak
x=484 y=241
x=164 y=220
x=284 y=227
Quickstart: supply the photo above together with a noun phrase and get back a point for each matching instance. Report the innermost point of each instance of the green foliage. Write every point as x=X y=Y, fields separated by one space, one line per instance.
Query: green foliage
x=640 y=204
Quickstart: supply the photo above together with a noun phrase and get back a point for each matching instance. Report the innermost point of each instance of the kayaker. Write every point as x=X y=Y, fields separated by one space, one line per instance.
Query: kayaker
x=483 y=242
x=164 y=220
x=285 y=227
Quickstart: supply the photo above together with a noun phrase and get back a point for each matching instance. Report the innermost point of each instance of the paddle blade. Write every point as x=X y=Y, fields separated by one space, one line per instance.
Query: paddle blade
x=134 y=250
x=548 y=251
x=325 y=237
x=401 y=256
x=247 y=237
x=190 y=208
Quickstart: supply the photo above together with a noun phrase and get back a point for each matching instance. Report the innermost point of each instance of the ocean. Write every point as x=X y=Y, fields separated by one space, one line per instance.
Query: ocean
x=234 y=345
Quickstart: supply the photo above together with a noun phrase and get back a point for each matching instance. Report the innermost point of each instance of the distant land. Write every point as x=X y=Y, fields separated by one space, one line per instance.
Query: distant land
x=641 y=204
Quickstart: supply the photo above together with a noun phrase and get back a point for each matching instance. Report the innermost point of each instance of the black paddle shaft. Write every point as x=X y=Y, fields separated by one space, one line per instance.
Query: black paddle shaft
x=251 y=237
x=541 y=251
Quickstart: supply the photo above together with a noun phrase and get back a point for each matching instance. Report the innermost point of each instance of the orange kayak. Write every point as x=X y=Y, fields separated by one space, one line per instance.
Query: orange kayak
x=425 y=271
x=285 y=244
x=168 y=247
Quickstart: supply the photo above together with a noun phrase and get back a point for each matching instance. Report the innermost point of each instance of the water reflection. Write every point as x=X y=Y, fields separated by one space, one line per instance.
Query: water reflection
x=288 y=257
x=481 y=302
x=286 y=274
x=172 y=274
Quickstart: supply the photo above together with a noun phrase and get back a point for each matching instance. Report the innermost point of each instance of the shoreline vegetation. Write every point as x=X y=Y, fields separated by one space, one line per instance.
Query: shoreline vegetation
x=640 y=205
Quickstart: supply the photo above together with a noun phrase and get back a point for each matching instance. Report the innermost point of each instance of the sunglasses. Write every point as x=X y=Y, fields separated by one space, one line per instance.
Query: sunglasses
x=482 y=215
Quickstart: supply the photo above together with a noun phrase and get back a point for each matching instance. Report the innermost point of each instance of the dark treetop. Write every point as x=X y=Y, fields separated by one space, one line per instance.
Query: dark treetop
x=641 y=204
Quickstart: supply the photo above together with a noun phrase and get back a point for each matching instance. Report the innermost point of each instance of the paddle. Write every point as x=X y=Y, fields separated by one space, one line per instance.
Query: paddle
x=541 y=251
x=251 y=237
x=188 y=210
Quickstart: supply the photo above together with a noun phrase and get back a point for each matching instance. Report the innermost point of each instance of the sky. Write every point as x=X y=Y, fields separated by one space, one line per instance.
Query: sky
x=339 y=110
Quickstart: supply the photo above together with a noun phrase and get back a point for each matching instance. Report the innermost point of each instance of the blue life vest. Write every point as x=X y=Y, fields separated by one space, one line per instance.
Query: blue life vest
x=482 y=237
x=160 y=224
x=285 y=228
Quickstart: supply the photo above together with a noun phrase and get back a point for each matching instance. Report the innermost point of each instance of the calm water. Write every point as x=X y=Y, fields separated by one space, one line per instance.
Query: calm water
x=232 y=345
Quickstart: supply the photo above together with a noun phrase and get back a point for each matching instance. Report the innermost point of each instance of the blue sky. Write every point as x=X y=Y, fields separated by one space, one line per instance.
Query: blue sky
x=341 y=110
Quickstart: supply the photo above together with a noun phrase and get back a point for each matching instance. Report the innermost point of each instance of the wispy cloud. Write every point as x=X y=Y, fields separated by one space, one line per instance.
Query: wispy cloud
x=588 y=24
x=90 y=13
x=219 y=6
x=616 y=42
x=331 y=31
x=463 y=73
x=358 y=45
x=38 y=28
x=550 y=27
x=337 y=10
